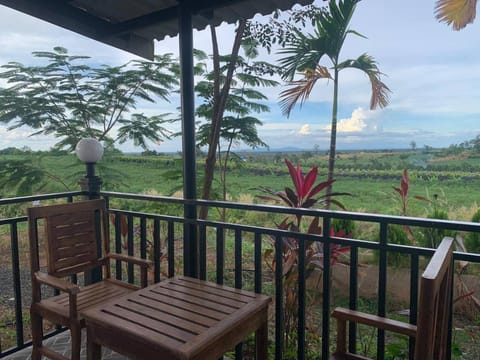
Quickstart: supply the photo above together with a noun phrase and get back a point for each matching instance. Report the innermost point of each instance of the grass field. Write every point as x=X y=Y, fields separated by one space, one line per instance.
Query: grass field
x=367 y=176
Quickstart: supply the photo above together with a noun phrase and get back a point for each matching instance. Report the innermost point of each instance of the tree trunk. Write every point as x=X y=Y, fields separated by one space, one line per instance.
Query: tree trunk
x=333 y=137
x=220 y=99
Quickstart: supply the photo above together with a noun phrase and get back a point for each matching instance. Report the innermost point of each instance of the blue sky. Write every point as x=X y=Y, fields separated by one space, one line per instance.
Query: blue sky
x=433 y=72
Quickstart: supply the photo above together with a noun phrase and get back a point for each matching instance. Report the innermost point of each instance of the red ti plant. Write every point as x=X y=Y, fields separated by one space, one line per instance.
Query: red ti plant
x=314 y=258
x=403 y=191
x=305 y=194
x=302 y=196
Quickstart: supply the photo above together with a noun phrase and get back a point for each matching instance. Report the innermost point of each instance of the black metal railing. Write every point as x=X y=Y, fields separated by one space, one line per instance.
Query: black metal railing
x=246 y=252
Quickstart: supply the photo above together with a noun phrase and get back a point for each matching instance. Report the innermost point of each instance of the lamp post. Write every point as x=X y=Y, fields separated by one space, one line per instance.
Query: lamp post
x=90 y=151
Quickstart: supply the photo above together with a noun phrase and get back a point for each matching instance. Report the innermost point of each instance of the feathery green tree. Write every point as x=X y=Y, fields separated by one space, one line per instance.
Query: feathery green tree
x=237 y=125
x=70 y=99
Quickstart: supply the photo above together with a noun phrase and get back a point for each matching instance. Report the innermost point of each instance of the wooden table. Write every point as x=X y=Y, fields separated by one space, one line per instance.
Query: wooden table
x=178 y=318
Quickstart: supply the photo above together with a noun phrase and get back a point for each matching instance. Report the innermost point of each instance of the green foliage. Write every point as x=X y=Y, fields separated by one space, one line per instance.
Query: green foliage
x=370 y=188
x=433 y=236
x=281 y=27
x=398 y=349
x=345 y=225
x=243 y=99
x=472 y=240
x=25 y=176
x=229 y=97
x=71 y=100
x=396 y=234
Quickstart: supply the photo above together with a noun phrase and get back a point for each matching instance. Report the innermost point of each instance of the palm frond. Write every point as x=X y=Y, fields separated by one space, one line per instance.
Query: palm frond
x=367 y=64
x=458 y=13
x=301 y=89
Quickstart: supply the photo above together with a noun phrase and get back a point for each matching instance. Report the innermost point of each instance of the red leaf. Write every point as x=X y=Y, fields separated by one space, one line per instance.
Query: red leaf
x=321 y=186
x=405 y=183
x=296 y=178
x=301 y=179
x=314 y=227
x=285 y=198
x=338 y=203
x=292 y=197
x=309 y=203
x=309 y=181
x=340 y=233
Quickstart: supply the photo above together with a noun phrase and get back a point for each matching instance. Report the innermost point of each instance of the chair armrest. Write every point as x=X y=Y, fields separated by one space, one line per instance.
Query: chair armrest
x=57 y=283
x=131 y=259
x=143 y=263
x=375 y=321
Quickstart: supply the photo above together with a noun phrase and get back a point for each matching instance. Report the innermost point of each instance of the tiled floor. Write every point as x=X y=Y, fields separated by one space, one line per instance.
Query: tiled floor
x=61 y=344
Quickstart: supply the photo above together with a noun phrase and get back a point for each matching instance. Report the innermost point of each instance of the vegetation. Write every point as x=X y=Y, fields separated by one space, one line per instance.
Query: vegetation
x=472 y=242
x=70 y=99
x=367 y=175
x=305 y=53
x=238 y=123
x=458 y=13
x=305 y=194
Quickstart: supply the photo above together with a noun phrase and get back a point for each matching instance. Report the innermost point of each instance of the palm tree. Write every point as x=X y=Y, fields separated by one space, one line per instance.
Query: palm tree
x=304 y=55
x=458 y=13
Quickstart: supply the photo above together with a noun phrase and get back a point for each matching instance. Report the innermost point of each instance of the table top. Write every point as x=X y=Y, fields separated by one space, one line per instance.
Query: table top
x=181 y=316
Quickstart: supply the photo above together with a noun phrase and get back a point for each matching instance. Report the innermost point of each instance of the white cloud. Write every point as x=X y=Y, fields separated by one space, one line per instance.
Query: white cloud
x=361 y=121
x=305 y=130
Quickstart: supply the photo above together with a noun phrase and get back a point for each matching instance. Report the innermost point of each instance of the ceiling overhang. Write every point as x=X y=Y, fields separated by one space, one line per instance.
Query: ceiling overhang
x=133 y=25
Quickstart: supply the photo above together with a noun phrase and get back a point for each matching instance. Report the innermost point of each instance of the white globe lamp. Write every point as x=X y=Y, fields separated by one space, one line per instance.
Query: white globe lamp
x=89 y=150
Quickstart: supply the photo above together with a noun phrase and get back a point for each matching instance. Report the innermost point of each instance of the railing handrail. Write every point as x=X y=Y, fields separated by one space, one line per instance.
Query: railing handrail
x=30 y=198
x=278 y=209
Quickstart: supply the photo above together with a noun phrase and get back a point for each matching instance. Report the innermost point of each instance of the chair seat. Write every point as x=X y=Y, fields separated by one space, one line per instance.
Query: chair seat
x=87 y=298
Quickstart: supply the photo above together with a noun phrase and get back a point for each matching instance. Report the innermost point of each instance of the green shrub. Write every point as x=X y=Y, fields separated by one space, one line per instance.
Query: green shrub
x=431 y=237
x=472 y=240
x=344 y=224
x=396 y=235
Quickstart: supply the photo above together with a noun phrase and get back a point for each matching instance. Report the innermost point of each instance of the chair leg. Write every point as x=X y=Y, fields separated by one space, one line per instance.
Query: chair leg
x=94 y=350
x=76 y=337
x=261 y=340
x=37 y=335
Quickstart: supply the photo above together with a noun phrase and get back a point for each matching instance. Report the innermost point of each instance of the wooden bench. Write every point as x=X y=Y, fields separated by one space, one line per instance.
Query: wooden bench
x=179 y=318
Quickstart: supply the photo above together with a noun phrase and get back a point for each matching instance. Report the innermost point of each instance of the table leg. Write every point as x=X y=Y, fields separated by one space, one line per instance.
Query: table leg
x=261 y=340
x=94 y=350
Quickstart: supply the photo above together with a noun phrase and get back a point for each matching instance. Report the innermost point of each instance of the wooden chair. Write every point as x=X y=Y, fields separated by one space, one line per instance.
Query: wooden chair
x=434 y=309
x=73 y=233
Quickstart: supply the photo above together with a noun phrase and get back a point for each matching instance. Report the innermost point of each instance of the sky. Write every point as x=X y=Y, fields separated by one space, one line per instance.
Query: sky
x=432 y=71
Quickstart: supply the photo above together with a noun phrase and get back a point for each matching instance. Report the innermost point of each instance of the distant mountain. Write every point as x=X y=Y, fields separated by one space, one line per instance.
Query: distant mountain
x=274 y=150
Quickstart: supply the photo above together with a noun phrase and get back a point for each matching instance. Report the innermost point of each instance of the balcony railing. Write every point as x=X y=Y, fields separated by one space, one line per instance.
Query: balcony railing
x=246 y=251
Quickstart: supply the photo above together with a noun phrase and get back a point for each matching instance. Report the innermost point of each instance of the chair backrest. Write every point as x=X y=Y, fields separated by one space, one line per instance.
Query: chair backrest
x=435 y=304
x=74 y=233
